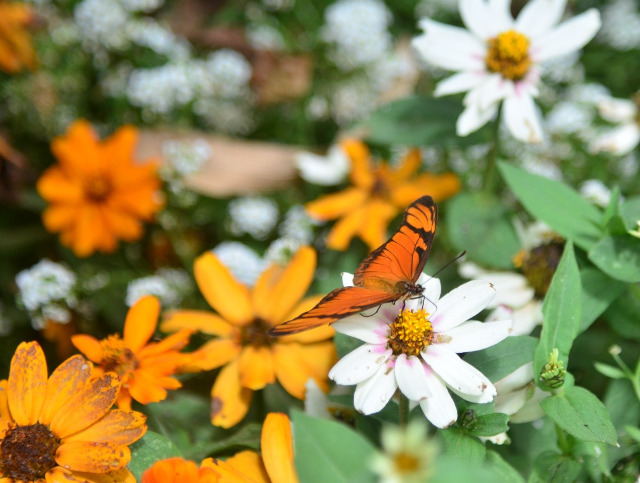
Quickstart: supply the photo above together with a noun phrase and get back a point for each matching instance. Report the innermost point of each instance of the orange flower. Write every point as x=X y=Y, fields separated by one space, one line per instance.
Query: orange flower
x=97 y=194
x=62 y=429
x=177 y=470
x=145 y=368
x=16 y=50
x=253 y=359
x=379 y=193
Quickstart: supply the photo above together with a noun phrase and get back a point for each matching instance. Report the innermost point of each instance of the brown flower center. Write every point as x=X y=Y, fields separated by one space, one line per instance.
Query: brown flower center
x=508 y=54
x=98 y=188
x=117 y=357
x=410 y=332
x=540 y=264
x=255 y=334
x=28 y=452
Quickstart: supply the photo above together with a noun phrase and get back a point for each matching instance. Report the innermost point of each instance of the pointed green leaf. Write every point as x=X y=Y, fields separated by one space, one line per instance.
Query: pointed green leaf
x=618 y=257
x=598 y=292
x=551 y=467
x=630 y=212
x=609 y=371
x=490 y=424
x=149 y=449
x=458 y=443
x=624 y=313
x=502 y=470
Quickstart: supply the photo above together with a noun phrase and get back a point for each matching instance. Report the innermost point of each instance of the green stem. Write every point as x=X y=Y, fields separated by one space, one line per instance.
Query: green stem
x=490 y=177
x=563 y=443
x=403 y=413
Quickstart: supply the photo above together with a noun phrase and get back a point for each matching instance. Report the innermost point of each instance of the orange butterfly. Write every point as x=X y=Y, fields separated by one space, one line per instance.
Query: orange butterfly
x=388 y=274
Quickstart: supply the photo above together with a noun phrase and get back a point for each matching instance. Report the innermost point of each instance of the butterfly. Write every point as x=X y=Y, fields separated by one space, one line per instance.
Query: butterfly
x=388 y=274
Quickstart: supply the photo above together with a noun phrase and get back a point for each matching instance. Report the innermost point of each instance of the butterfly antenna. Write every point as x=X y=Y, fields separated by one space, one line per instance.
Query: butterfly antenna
x=457 y=257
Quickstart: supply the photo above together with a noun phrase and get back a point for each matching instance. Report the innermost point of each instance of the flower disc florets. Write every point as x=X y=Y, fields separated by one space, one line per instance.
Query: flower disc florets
x=410 y=332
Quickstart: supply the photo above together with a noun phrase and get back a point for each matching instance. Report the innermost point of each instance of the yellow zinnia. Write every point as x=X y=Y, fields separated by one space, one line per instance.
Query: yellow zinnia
x=62 y=429
x=97 y=194
x=379 y=193
x=253 y=359
x=16 y=49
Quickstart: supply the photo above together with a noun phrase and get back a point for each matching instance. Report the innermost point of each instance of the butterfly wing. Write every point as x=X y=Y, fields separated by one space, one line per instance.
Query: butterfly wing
x=400 y=260
x=339 y=303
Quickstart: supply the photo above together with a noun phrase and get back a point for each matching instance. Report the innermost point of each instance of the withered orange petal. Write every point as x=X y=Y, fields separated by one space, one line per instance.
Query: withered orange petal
x=55 y=187
x=229 y=400
x=123 y=475
x=116 y=427
x=146 y=389
x=335 y=205
x=141 y=322
x=172 y=343
x=213 y=354
x=243 y=467
x=345 y=229
x=222 y=291
x=275 y=296
x=69 y=377
x=256 y=367
x=89 y=346
x=86 y=406
x=92 y=457
x=205 y=322
x=378 y=215
x=27 y=383
x=276 y=444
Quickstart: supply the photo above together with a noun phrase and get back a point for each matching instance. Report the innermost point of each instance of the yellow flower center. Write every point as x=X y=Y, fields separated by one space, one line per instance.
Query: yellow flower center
x=539 y=265
x=410 y=332
x=508 y=54
x=406 y=463
x=97 y=188
x=28 y=452
x=117 y=357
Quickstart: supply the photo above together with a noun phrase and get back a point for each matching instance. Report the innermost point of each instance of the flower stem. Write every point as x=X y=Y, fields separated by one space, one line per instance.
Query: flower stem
x=490 y=179
x=403 y=412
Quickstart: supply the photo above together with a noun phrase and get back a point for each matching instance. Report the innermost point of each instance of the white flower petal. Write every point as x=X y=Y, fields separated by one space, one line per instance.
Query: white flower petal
x=326 y=170
x=522 y=118
x=617 y=110
x=490 y=92
x=566 y=37
x=315 y=401
x=526 y=318
x=538 y=16
x=461 y=304
x=431 y=287
x=485 y=20
x=502 y=18
x=460 y=82
x=373 y=394
x=459 y=375
x=439 y=409
x=411 y=377
x=347 y=279
x=359 y=364
x=531 y=410
x=372 y=330
x=515 y=381
x=474 y=336
x=511 y=402
x=450 y=48
x=620 y=141
x=473 y=118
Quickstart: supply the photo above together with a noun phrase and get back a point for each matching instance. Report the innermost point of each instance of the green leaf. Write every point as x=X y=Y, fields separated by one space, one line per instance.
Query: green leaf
x=559 y=206
x=612 y=208
x=633 y=432
x=630 y=212
x=581 y=414
x=502 y=470
x=624 y=313
x=418 y=121
x=345 y=344
x=551 y=467
x=502 y=359
x=452 y=469
x=458 y=443
x=490 y=424
x=598 y=292
x=560 y=310
x=481 y=225
x=329 y=451
x=149 y=449
x=618 y=257
x=609 y=371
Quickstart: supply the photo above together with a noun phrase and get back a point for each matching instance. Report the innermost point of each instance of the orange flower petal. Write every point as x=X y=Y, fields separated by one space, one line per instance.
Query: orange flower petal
x=408 y=167
x=345 y=229
x=88 y=231
x=361 y=170
x=116 y=427
x=213 y=354
x=243 y=467
x=92 y=457
x=27 y=383
x=256 y=367
x=278 y=291
x=68 y=378
x=89 y=346
x=440 y=187
x=229 y=400
x=59 y=217
x=77 y=150
x=229 y=297
x=378 y=215
x=170 y=344
x=146 y=389
x=5 y=414
x=141 y=322
x=295 y=364
x=204 y=322
x=277 y=448
x=178 y=470
x=55 y=187
x=122 y=224
x=117 y=150
x=123 y=475
x=319 y=359
x=335 y=205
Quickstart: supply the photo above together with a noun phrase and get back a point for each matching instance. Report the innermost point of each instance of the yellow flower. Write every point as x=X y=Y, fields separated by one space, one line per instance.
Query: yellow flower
x=144 y=368
x=379 y=193
x=253 y=359
x=62 y=429
x=16 y=50
x=97 y=194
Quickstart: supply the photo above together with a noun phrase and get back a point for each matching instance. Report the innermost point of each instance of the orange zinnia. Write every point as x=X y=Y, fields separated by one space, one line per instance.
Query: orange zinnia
x=178 y=470
x=253 y=359
x=145 y=368
x=62 y=429
x=16 y=50
x=97 y=194
x=379 y=193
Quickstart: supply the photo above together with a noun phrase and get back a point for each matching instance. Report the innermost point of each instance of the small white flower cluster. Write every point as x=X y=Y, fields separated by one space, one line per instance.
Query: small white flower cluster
x=244 y=263
x=295 y=231
x=253 y=215
x=262 y=36
x=168 y=284
x=185 y=157
x=621 y=25
x=46 y=291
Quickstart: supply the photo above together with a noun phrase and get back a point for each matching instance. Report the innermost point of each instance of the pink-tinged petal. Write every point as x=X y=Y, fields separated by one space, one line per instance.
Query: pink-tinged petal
x=617 y=110
x=367 y=329
x=474 y=336
x=359 y=364
x=538 y=17
x=523 y=118
x=567 y=37
x=461 y=304
x=439 y=409
x=473 y=118
x=373 y=394
x=411 y=377
x=450 y=48
x=525 y=318
x=460 y=82
x=481 y=18
x=490 y=92
x=619 y=141
x=459 y=375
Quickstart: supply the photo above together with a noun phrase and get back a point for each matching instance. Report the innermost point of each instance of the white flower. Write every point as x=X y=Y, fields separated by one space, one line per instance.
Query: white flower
x=595 y=191
x=624 y=138
x=413 y=346
x=498 y=58
x=621 y=24
x=519 y=397
x=297 y=225
x=245 y=264
x=328 y=170
x=255 y=216
x=44 y=283
x=186 y=157
x=168 y=284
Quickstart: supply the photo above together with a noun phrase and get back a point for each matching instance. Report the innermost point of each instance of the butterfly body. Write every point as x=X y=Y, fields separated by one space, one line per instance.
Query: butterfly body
x=388 y=274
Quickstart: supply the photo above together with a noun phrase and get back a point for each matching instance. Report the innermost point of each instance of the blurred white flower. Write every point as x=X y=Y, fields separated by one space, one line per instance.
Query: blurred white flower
x=228 y=73
x=159 y=38
x=264 y=37
x=281 y=251
x=244 y=263
x=568 y=117
x=168 y=284
x=44 y=283
x=298 y=225
x=146 y=6
x=595 y=191
x=102 y=23
x=186 y=157
x=498 y=58
x=253 y=215
x=620 y=24
x=328 y=170
x=519 y=397
x=623 y=139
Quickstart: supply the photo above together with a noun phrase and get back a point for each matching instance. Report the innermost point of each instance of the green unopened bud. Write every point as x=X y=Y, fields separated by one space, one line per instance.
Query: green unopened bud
x=468 y=419
x=553 y=374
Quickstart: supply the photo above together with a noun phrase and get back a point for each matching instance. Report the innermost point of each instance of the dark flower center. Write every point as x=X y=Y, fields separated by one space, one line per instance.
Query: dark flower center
x=255 y=334
x=28 y=452
x=117 y=357
x=540 y=264
x=98 y=188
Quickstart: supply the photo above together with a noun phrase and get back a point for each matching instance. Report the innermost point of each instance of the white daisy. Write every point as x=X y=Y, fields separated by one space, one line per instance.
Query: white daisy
x=624 y=138
x=498 y=58
x=414 y=346
x=328 y=170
